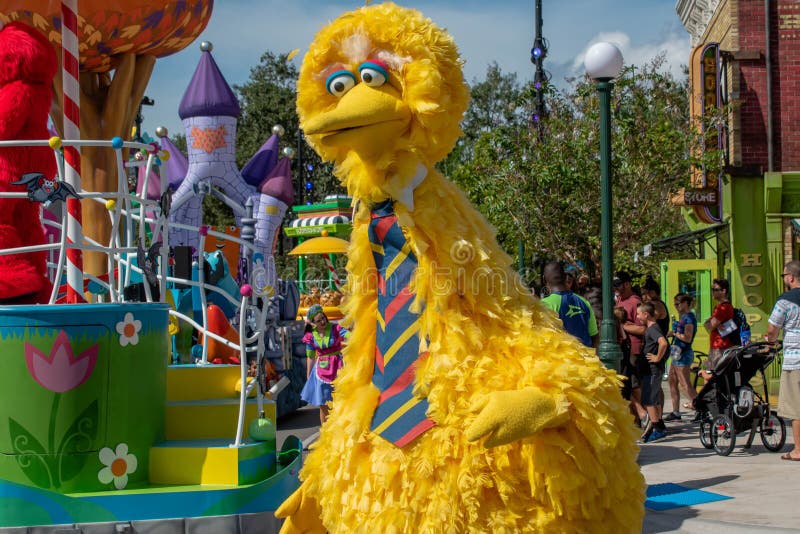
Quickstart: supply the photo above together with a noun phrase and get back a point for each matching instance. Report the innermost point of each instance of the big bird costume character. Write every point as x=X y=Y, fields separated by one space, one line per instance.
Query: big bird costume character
x=463 y=406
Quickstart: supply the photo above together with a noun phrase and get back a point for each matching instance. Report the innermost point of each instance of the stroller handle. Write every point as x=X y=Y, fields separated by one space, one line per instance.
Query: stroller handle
x=761 y=348
x=763 y=351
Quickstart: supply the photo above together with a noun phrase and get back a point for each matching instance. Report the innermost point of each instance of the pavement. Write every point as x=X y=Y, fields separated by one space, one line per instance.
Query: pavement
x=763 y=488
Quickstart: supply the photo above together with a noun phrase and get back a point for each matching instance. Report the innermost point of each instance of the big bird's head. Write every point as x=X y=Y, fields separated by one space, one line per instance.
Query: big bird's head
x=381 y=91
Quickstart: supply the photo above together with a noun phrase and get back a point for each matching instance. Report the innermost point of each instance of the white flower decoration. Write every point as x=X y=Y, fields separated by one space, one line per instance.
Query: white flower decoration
x=128 y=330
x=118 y=465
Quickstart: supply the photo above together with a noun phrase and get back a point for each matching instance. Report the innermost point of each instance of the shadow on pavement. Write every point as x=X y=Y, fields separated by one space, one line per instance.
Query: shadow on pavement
x=305 y=417
x=668 y=520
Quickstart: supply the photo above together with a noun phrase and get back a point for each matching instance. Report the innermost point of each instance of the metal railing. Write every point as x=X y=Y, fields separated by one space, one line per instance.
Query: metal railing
x=129 y=225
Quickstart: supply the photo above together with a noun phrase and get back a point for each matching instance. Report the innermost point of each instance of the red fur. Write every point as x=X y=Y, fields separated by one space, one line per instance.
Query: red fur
x=28 y=64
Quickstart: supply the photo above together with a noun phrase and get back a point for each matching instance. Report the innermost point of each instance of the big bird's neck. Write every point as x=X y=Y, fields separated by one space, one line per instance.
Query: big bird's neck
x=395 y=177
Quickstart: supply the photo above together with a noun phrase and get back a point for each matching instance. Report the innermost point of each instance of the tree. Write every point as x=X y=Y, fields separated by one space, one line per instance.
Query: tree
x=541 y=185
x=494 y=102
x=268 y=98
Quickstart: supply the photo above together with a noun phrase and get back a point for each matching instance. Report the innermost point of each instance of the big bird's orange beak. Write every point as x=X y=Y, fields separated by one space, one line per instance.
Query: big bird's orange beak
x=366 y=119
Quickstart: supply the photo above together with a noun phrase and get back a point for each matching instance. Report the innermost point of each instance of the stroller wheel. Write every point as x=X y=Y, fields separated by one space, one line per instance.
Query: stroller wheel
x=723 y=435
x=705 y=433
x=773 y=432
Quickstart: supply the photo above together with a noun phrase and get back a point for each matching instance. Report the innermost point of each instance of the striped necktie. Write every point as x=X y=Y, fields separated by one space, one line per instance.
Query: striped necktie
x=399 y=416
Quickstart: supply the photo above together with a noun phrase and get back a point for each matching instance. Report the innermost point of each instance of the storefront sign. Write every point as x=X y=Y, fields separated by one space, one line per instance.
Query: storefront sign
x=752 y=286
x=700 y=197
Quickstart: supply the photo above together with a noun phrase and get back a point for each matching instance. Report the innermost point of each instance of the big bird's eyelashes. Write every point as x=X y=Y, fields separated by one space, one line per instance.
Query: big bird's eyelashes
x=372 y=73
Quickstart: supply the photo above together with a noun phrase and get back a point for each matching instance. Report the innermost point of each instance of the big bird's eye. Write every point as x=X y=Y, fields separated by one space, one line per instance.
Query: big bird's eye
x=340 y=82
x=373 y=74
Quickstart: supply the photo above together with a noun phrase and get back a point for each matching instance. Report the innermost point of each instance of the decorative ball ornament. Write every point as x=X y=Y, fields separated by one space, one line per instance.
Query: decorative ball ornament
x=206 y=46
x=288 y=152
x=261 y=429
x=139 y=156
x=203 y=230
x=603 y=61
x=246 y=290
x=324 y=233
x=54 y=142
x=278 y=130
x=111 y=204
x=117 y=143
x=162 y=131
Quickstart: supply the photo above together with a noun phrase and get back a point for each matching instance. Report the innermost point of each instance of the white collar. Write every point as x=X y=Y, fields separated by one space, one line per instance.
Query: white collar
x=406 y=195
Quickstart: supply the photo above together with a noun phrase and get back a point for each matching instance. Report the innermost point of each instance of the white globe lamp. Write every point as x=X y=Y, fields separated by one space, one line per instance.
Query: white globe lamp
x=603 y=61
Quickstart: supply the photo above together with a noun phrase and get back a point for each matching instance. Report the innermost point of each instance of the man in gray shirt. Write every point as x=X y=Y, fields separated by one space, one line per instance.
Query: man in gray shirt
x=786 y=315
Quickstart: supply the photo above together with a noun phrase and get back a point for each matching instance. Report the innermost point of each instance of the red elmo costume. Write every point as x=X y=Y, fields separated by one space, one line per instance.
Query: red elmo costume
x=28 y=64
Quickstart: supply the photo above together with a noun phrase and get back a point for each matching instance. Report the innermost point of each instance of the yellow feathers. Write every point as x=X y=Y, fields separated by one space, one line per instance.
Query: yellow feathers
x=381 y=94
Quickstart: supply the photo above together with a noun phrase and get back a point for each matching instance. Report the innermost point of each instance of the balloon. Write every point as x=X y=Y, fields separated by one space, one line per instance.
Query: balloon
x=109 y=27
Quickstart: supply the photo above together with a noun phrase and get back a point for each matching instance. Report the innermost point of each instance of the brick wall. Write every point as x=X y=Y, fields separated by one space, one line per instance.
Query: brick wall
x=786 y=59
x=744 y=20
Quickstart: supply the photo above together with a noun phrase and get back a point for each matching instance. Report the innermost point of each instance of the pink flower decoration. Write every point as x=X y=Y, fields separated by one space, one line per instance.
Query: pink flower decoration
x=60 y=371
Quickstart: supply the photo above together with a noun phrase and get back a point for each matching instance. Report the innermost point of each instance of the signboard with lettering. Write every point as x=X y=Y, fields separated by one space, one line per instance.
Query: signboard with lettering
x=701 y=197
x=706 y=100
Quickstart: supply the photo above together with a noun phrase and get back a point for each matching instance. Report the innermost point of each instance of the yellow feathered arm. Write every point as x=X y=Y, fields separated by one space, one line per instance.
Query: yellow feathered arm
x=506 y=416
x=302 y=514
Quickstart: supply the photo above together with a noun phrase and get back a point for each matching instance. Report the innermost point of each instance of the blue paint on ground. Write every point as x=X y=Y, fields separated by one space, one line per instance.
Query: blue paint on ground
x=667 y=496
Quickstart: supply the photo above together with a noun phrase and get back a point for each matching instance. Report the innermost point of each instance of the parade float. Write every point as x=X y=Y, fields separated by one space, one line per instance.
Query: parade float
x=114 y=416
x=322 y=230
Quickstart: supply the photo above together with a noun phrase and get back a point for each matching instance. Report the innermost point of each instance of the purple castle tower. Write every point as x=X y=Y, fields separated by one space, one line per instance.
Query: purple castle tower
x=210 y=112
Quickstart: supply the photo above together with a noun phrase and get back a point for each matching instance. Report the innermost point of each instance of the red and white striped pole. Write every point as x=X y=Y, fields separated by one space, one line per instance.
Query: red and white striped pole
x=332 y=270
x=72 y=155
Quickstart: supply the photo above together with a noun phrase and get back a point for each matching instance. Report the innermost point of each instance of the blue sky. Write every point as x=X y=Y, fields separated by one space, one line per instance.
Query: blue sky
x=485 y=31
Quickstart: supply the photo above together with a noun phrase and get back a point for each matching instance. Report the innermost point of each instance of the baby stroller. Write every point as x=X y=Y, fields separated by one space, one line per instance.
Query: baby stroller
x=729 y=405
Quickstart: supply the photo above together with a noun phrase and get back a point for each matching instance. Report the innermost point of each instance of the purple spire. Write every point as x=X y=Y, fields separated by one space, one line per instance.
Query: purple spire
x=279 y=183
x=174 y=169
x=153 y=184
x=208 y=94
x=262 y=162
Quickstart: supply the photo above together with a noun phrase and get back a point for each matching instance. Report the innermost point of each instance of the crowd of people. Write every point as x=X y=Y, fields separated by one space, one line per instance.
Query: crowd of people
x=648 y=337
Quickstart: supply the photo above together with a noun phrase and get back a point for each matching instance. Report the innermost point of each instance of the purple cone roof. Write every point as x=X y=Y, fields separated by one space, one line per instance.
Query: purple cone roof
x=208 y=94
x=279 y=182
x=262 y=162
x=174 y=169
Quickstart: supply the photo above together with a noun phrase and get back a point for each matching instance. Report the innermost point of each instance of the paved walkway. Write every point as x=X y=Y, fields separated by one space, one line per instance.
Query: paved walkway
x=764 y=488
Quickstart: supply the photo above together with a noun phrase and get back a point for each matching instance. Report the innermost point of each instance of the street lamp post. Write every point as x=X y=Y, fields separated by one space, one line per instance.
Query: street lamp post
x=603 y=63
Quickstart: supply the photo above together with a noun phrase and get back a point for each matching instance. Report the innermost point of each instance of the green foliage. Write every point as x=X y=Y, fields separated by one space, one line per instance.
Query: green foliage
x=541 y=184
